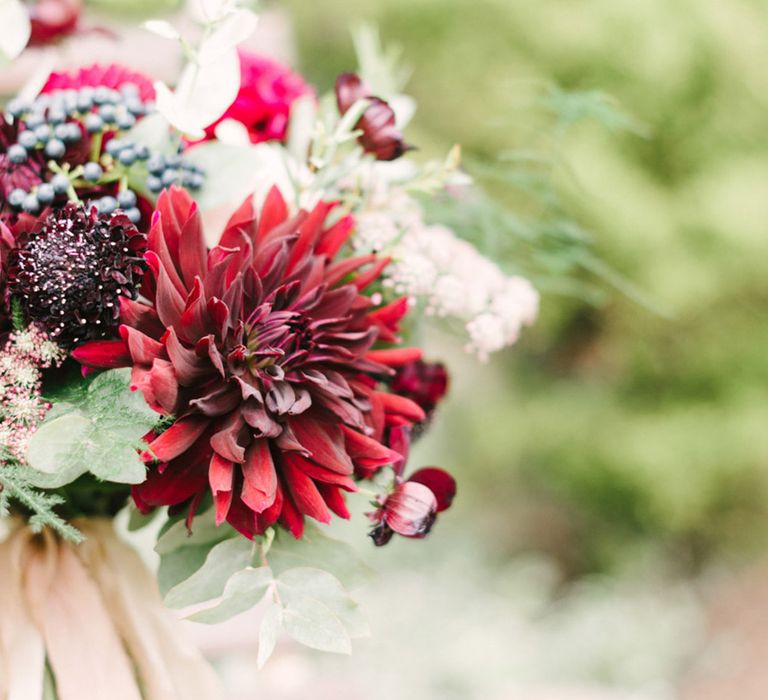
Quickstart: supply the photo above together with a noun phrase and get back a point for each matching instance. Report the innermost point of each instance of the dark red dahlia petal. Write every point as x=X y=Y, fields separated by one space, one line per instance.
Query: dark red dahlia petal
x=103 y=354
x=177 y=439
x=220 y=477
x=259 y=477
x=305 y=494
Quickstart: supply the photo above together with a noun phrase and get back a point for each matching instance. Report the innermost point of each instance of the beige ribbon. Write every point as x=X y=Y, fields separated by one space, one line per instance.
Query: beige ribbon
x=94 y=612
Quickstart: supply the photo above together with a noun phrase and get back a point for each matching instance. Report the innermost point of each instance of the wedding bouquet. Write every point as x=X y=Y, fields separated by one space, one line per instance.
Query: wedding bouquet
x=210 y=299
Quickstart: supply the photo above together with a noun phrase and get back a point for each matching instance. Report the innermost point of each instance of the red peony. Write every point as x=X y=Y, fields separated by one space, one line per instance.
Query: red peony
x=380 y=136
x=111 y=76
x=263 y=104
x=262 y=349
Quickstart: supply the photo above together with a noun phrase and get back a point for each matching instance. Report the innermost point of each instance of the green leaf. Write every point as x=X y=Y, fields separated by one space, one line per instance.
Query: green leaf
x=231 y=172
x=50 y=449
x=177 y=566
x=223 y=561
x=313 y=624
x=242 y=591
x=204 y=532
x=316 y=550
x=97 y=430
x=270 y=627
x=296 y=586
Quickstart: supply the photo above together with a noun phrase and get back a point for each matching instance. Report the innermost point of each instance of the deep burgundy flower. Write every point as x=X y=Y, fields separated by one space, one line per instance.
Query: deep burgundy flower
x=426 y=383
x=71 y=270
x=380 y=136
x=262 y=351
x=7 y=242
x=267 y=91
x=412 y=507
x=112 y=76
x=53 y=19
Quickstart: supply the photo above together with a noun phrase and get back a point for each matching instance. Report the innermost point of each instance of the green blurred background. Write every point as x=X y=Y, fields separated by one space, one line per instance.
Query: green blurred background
x=608 y=427
x=618 y=455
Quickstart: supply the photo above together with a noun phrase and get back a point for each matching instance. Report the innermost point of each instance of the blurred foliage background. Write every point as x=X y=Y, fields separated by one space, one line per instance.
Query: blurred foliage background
x=611 y=428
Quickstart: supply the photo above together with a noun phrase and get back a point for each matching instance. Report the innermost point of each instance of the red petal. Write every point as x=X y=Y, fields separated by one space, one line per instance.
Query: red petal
x=273 y=213
x=309 y=233
x=334 y=499
x=260 y=479
x=402 y=406
x=104 y=354
x=335 y=237
x=177 y=439
x=143 y=349
x=366 y=451
x=220 y=473
x=305 y=493
x=225 y=440
x=394 y=357
x=372 y=274
x=324 y=442
x=291 y=518
x=165 y=389
x=440 y=482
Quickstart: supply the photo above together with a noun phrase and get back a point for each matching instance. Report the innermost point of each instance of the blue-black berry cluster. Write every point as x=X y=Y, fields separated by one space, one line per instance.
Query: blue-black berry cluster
x=92 y=119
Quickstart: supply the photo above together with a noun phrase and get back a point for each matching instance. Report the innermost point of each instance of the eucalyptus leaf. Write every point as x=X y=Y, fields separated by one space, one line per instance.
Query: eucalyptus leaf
x=204 y=530
x=178 y=565
x=296 y=586
x=223 y=561
x=270 y=627
x=315 y=625
x=51 y=446
x=98 y=430
x=243 y=590
x=316 y=550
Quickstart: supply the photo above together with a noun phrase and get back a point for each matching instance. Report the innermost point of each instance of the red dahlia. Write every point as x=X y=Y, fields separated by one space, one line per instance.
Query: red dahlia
x=262 y=351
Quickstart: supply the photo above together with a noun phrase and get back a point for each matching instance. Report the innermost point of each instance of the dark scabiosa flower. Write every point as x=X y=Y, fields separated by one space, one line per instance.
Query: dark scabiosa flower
x=412 y=507
x=380 y=136
x=263 y=104
x=262 y=349
x=71 y=270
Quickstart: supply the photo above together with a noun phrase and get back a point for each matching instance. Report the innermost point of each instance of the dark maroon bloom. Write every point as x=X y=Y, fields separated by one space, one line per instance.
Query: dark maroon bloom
x=262 y=350
x=411 y=509
x=71 y=271
x=7 y=243
x=426 y=383
x=53 y=19
x=267 y=93
x=380 y=136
